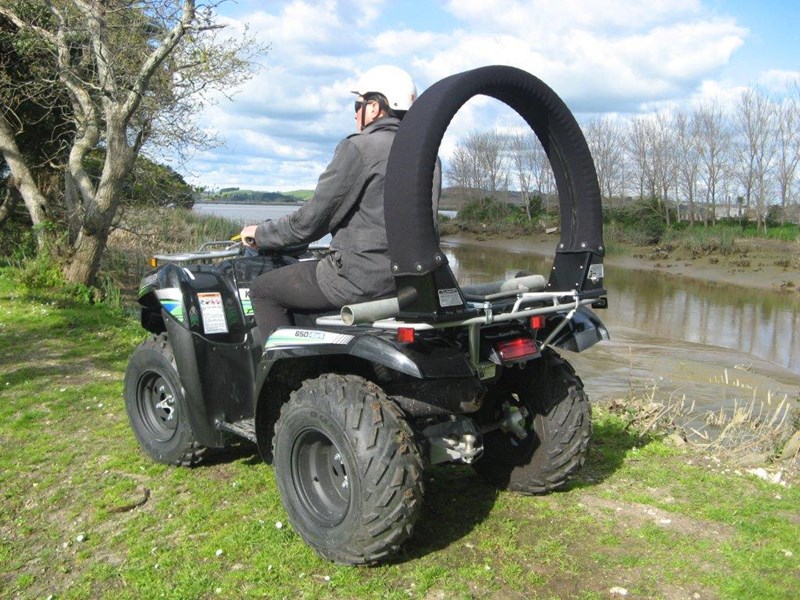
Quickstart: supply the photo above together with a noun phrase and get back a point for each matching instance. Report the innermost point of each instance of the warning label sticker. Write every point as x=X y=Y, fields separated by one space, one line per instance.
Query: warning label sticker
x=449 y=297
x=213 y=312
x=595 y=272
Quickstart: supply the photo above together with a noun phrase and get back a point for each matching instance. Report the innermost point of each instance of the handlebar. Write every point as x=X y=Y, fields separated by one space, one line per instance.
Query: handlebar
x=221 y=249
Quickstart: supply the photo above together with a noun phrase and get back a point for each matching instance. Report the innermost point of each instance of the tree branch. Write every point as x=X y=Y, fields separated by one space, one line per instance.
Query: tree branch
x=12 y=16
x=168 y=44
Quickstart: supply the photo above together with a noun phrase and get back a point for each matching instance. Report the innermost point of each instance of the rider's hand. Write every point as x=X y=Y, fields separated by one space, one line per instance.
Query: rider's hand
x=249 y=236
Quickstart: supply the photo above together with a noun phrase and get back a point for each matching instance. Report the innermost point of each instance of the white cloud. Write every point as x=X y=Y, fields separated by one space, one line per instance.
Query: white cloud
x=593 y=53
x=778 y=81
x=398 y=43
x=600 y=56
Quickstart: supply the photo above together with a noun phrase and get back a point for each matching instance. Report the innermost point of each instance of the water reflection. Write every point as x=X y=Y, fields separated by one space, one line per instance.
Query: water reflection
x=758 y=323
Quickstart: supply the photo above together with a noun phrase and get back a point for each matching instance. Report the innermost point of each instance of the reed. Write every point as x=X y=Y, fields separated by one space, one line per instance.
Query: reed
x=759 y=425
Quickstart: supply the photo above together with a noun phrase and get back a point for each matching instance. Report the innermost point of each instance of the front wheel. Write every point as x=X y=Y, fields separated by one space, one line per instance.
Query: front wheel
x=348 y=470
x=552 y=444
x=155 y=405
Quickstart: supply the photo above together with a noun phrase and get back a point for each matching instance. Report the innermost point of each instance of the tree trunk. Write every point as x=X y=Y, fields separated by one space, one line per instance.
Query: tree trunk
x=85 y=261
x=9 y=203
x=101 y=209
x=72 y=203
x=35 y=202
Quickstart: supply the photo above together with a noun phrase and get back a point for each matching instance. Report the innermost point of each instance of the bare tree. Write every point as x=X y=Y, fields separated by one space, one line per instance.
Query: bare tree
x=521 y=148
x=460 y=172
x=490 y=150
x=542 y=173
x=479 y=163
x=704 y=158
x=665 y=158
x=653 y=158
x=134 y=72
x=531 y=168
x=638 y=155
x=787 y=145
x=713 y=143
x=754 y=122
x=687 y=161
x=606 y=139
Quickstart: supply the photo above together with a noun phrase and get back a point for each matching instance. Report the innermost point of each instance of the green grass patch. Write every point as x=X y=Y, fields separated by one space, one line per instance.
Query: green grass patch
x=69 y=467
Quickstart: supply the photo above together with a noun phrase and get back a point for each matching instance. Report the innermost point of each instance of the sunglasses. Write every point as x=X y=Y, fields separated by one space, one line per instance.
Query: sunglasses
x=360 y=103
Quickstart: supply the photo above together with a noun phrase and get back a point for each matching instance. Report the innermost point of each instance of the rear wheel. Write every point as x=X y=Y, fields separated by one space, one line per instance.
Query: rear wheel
x=348 y=469
x=557 y=428
x=155 y=405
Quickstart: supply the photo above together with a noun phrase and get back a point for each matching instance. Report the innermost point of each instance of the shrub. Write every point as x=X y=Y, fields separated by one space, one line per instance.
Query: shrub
x=491 y=215
x=42 y=278
x=17 y=242
x=640 y=224
x=486 y=209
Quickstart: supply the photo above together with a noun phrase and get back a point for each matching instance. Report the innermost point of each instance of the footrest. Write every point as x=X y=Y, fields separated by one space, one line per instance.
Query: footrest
x=245 y=428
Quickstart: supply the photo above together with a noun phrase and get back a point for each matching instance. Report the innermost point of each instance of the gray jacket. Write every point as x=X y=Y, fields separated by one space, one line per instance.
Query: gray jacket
x=348 y=203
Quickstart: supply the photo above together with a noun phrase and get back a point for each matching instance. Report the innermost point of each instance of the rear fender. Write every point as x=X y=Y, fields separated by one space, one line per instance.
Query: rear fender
x=442 y=370
x=409 y=359
x=581 y=332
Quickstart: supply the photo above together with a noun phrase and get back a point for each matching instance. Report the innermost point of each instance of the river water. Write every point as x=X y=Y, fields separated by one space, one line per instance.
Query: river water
x=715 y=345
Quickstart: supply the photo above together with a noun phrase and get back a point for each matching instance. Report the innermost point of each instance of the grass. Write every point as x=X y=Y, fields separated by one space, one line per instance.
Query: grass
x=658 y=521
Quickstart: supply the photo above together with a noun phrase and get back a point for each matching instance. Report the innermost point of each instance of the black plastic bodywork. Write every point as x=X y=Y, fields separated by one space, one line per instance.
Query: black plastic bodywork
x=224 y=374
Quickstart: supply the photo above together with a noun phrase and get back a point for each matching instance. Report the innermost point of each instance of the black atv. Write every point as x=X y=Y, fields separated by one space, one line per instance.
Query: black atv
x=350 y=408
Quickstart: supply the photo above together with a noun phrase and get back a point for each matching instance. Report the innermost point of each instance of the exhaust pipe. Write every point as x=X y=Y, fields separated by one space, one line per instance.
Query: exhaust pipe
x=367 y=312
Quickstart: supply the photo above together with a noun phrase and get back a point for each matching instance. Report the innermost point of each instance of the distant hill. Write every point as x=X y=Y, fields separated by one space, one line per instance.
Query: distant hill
x=301 y=194
x=452 y=198
x=238 y=196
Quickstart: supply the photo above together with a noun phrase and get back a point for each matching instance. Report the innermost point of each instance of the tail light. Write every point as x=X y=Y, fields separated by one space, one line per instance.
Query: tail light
x=516 y=349
x=406 y=335
x=537 y=322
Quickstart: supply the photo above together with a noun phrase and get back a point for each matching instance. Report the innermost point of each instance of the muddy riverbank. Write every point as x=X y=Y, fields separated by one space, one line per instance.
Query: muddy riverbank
x=757 y=263
x=717 y=334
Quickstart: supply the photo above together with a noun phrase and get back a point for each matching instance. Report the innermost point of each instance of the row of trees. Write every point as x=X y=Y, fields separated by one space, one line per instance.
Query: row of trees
x=85 y=85
x=736 y=160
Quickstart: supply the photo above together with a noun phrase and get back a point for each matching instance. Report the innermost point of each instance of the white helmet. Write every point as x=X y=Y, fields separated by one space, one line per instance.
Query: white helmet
x=394 y=83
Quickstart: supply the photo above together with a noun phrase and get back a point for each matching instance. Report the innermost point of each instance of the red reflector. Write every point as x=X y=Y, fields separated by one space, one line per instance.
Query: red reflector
x=537 y=322
x=405 y=335
x=516 y=349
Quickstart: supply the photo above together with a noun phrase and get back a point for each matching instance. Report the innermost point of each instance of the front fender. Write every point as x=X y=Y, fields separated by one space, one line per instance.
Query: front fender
x=200 y=298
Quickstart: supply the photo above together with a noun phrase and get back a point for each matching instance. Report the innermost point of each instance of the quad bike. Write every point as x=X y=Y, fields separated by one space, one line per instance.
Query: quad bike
x=350 y=408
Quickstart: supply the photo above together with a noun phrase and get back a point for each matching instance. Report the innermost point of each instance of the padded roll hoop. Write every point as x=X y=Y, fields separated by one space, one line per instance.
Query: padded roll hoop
x=413 y=245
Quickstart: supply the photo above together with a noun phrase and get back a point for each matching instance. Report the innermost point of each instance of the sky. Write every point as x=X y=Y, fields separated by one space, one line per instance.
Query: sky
x=602 y=57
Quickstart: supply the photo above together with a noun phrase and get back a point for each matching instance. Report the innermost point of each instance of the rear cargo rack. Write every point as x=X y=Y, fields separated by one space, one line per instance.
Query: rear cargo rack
x=520 y=310
x=528 y=304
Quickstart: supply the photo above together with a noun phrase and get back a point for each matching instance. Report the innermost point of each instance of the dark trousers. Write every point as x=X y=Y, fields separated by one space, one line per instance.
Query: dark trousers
x=275 y=293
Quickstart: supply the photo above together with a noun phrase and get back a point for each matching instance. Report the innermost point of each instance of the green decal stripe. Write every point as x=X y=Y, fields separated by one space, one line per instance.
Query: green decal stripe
x=291 y=340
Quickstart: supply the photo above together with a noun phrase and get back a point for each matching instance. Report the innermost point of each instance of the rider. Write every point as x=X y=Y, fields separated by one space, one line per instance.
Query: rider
x=348 y=203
